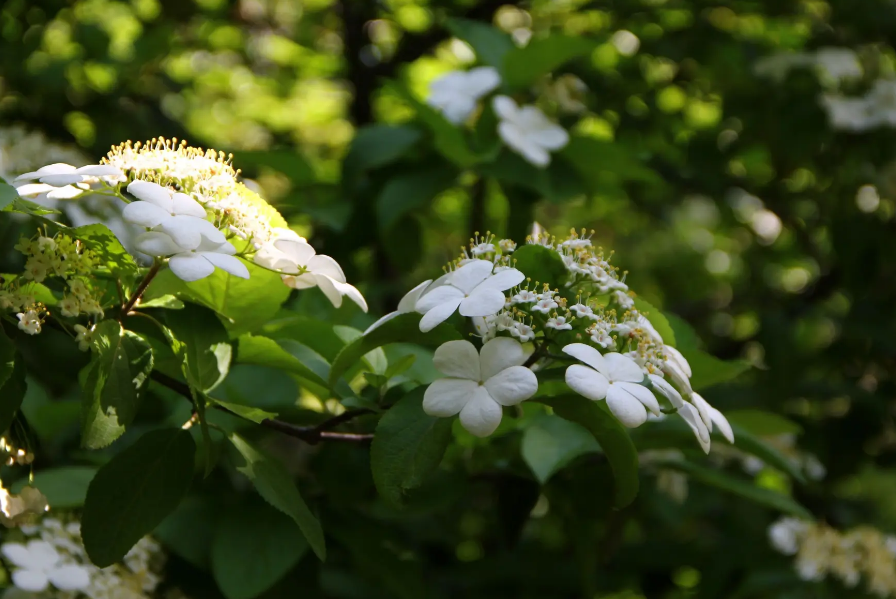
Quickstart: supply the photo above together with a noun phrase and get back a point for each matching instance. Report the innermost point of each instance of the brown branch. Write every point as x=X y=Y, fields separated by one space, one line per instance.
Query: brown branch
x=309 y=434
x=138 y=293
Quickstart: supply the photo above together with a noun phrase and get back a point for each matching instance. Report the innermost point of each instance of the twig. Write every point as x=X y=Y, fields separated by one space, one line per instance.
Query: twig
x=309 y=434
x=138 y=293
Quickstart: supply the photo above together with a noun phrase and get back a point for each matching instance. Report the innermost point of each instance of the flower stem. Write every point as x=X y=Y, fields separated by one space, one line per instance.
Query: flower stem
x=138 y=293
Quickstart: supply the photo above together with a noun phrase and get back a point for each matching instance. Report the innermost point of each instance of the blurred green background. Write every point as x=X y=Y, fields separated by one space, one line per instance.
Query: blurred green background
x=726 y=193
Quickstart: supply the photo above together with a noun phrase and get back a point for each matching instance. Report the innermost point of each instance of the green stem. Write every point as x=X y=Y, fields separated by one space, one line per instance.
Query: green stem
x=138 y=293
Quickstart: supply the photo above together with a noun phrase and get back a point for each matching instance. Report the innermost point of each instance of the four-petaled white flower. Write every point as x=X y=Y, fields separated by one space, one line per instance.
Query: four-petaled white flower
x=583 y=311
x=192 y=264
x=528 y=132
x=613 y=377
x=455 y=94
x=176 y=214
x=39 y=565
x=523 y=332
x=478 y=384
x=482 y=248
x=558 y=323
x=29 y=322
x=472 y=289
x=306 y=269
x=507 y=246
x=602 y=337
x=83 y=337
x=524 y=297
x=545 y=305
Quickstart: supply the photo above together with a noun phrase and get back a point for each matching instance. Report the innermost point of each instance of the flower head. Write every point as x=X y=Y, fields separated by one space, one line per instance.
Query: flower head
x=194 y=263
x=39 y=565
x=456 y=93
x=528 y=132
x=478 y=384
x=29 y=322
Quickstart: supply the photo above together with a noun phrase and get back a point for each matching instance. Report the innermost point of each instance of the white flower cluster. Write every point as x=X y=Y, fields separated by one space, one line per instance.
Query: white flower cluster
x=51 y=560
x=876 y=108
x=615 y=353
x=193 y=211
x=525 y=130
x=821 y=551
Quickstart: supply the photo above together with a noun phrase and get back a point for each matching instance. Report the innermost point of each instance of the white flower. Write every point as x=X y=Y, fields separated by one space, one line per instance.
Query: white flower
x=176 y=214
x=486 y=327
x=624 y=300
x=523 y=331
x=507 y=246
x=602 y=337
x=785 y=535
x=479 y=383
x=558 y=323
x=712 y=416
x=505 y=322
x=456 y=93
x=545 y=305
x=306 y=270
x=192 y=264
x=70 y=306
x=838 y=63
x=472 y=289
x=39 y=565
x=528 y=132
x=688 y=412
x=83 y=337
x=405 y=306
x=613 y=377
x=675 y=366
x=524 y=297
x=482 y=248
x=583 y=311
x=29 y=322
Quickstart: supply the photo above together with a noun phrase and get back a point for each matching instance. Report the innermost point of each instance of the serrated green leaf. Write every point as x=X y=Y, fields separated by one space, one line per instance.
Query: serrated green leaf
x=203 y=347
x=274 y=483
x=168 y=302
x=116 y=379
x=255 y=415
x=550 y=443
x=134 y=492
x=282 y=354
x=491 y=45
x=253 y=548
x=524 y=66
x=404 y=328
x=541 y=264
x=613 y=438
x=65 y=488
x=741 y=488
x=407 y=446
x=109 y=251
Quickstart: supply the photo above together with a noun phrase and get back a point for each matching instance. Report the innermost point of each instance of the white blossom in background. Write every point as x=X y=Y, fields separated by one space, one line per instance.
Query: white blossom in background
x=528 y=132
x=456 y=93
x=195 y=263
x=479 y=383
x=625 y=42
x=613 y=377
x=38 y=565
x=473 y=290
x=838 y=64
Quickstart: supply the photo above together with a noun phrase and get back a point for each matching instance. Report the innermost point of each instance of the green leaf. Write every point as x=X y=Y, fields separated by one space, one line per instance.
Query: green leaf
x=400 y=366
x=65 y=488
x=686 y=338
x=407 y=446
x=603 y=164
x=189 y=530
x=319 y=335
x=657 y=319
x=375 y=359
x=255 y=415
x=255 y=349
x=491 y=45
x=377 y=145
x=23 y=206
x=253 y=548
x=116 y=379
x=411 y=190
x=551 y=442
x=558 y=183
x=524 y=66
x=762 y=423
x=708 y=370
x=109 y=251
x=133 y=493
x=202 y=345
x=245 y=304
x=404 y=328
x=613 y=439
x=541 y=264
x=168 y=302
x=12 y=382
x=8 y=195
x=275 y=485
x=741 y=488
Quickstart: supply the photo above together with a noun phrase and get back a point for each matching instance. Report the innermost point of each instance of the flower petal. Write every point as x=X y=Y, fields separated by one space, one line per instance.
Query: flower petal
x=305 y=281
x=482 y=414
x=382 y=320
x=409 y=302
x=458 y=108
x=447 y=397
x=623 y=368
x=481 y=80
x=439 y=314
x=190 y=267
x=722 y=423
x=184 y=205
x=34 y=581
x=51 y=169
x=690 y=415
x=218 y=248
x=502 y=281
x=587 y=382
x=65 y=193
x=70 y=577
x=703 y=409
x=505 y=108
x=512 y=385
x=471 y=274
x=152 y=193
x=642 y=394
x=675 y=356
x=156 y=243
x=230 y=264
x=145 y=214
x=207 y=229
x=100 y=170
x=352 y=293
x=627 y=409
x=184 y=230
x=550 y=137
x=662 y=386
x=41 y=555
x=482 y=303
x=328 y=287
x=299 y=252
x=500 y=353
x=439 y=296
x=62 y=179
x=324 y=265
x=33 y=189
x=588 y=355
x=17 y=554
x=458 y=359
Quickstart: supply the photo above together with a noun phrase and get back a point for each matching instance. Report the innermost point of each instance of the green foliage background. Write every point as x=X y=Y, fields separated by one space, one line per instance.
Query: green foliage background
x=319 y=101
